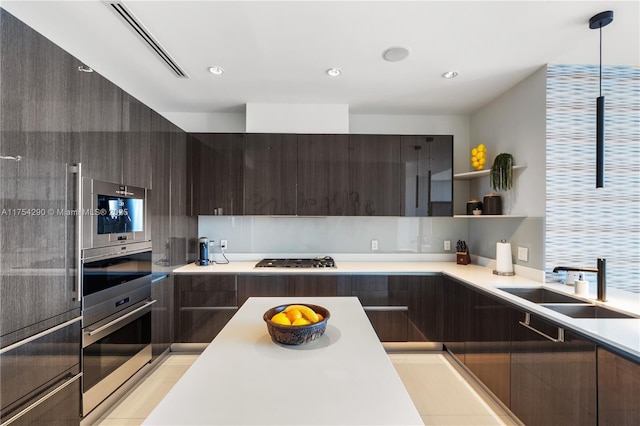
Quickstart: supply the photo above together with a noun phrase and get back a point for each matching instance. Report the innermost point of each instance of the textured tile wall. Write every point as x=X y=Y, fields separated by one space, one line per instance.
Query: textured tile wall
x=582 y=222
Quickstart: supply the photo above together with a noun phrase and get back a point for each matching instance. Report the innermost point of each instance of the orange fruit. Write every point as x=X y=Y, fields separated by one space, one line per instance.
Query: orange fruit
x=320 y=317
x=293 y=315
x=281 y=318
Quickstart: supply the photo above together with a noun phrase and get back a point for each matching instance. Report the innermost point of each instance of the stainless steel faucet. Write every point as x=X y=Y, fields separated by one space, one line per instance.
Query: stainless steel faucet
x=601 y=270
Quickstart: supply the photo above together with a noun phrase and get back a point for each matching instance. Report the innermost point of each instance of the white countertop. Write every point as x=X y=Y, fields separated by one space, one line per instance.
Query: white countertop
x=244 y=378
x=620 y=334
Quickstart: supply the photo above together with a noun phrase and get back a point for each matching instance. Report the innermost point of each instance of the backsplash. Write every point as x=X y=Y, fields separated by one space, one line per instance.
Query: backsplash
x=352 y=235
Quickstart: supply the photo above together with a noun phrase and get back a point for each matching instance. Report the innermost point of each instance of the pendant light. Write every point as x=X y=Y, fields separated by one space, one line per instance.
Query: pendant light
x=598 y=21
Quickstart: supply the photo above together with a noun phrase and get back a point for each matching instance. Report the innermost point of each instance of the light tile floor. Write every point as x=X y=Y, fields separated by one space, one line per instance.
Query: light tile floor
x=439 y=391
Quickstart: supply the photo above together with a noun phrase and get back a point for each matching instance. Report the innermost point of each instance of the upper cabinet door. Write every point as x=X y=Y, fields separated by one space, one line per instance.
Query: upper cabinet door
x=136 y=142
x=37 y=273
x=97 y=126
x=216 y=162
x=270 y=171
x=427 y=168
x=374 y=175
x=323 y=175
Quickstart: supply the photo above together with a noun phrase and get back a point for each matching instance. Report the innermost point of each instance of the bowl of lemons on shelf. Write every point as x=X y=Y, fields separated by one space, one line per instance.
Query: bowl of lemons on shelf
x=478 y=157
x=296 y=324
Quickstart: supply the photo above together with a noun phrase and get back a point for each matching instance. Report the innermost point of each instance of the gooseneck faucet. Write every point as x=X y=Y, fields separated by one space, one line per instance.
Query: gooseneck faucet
x=601 y=270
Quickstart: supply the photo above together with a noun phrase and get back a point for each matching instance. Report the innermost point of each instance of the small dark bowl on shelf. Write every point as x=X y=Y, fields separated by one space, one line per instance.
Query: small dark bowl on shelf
x=296 y=334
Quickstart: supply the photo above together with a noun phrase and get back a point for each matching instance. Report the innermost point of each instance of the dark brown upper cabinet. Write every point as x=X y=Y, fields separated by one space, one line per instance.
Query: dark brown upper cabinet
x=270 y=172
x=216 y=164
x=375 y=175
x=427 y=173
x=97 y=126
x=136 y=142
x=323 y=175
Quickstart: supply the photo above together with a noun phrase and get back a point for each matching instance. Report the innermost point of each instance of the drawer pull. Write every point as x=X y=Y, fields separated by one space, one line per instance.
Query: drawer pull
x=39 y=335
x=385 y=308
x=41 y=400
x=91 y=332
x=527 y=324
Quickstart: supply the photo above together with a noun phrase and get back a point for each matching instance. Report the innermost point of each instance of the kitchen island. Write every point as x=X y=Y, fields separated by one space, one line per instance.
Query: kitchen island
x=244 y=378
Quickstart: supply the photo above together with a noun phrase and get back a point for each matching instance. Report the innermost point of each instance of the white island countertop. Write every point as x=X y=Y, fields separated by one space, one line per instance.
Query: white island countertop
x=244 y=378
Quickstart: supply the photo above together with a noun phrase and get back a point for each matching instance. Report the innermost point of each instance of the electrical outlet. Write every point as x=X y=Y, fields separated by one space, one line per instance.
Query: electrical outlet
x=447 y=245
x=374 y=245
x=223 y=244
x=523 y=254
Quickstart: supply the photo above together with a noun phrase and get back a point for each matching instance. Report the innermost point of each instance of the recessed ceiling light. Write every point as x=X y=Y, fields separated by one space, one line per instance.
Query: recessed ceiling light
x=450 y=74
x=334 y=72
x=216 y=70
x=395 y=54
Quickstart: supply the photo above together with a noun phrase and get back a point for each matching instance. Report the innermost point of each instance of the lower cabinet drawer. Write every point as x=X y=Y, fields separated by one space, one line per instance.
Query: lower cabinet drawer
x=39 y=373
x=60 y=407
x=202 y=324
x=33 y=364
x=390 y=323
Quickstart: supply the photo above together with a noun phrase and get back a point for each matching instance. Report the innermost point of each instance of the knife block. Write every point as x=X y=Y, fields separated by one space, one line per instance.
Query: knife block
x=462 y=258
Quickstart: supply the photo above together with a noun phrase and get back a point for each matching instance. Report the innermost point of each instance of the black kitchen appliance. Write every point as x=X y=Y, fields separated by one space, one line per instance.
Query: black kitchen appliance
x=203 y=251
x=316 y=262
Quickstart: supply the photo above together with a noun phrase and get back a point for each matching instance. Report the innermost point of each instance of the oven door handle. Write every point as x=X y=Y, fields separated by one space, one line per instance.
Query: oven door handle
x=122 y=318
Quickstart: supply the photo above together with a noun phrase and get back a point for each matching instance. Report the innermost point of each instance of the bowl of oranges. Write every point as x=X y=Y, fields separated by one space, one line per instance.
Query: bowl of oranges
x=296 y=324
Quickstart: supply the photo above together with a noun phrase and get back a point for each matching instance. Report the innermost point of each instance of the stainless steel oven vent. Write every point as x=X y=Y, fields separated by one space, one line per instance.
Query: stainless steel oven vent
x=134 y=23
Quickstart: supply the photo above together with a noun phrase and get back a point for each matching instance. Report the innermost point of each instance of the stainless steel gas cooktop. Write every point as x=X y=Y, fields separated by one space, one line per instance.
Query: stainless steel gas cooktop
x=315 y=262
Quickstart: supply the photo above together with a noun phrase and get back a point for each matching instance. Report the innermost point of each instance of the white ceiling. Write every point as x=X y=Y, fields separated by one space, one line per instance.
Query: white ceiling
x=278 y=52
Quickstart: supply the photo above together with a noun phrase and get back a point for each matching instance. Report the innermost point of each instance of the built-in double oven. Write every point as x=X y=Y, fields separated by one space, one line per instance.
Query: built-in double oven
x=116 y=259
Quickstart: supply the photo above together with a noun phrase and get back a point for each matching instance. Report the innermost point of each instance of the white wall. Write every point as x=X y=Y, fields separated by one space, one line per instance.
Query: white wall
x=515 y=123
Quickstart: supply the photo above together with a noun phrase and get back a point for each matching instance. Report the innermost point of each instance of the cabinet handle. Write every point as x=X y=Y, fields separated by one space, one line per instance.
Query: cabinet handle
x=527 y=324
x=119 y=319
x=208 y=308
x=78 y=286
x=385 y=308
x=39 y=335
x=41 y=400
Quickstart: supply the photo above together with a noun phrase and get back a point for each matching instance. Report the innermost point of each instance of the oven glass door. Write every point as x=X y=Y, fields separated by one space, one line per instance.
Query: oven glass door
x=107 y=273
x=114 y=347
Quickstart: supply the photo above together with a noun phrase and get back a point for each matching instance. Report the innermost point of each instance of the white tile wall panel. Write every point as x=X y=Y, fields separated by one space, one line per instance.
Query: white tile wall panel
x=582 y=222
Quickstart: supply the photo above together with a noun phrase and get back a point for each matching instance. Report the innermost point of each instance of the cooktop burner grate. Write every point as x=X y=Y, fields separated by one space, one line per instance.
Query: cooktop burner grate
x=316 y=262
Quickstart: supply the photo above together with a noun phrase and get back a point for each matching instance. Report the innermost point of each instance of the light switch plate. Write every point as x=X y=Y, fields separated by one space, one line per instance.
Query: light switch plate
x=523 y=254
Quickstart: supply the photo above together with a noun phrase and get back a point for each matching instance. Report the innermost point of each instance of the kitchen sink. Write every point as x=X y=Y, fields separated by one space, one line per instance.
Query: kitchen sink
x=586 y=311
x=540 y=295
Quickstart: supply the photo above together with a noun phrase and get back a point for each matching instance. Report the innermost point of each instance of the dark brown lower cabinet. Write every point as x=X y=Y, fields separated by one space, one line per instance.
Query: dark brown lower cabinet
x=455 y=317
x=553 y=377
x=390 y=323
x=385 y=301
x=204 y=305
x=488 y=344
x=61 y=408
x=618 y=390
x=425 y=294
x=40 y=378
x=162 y=316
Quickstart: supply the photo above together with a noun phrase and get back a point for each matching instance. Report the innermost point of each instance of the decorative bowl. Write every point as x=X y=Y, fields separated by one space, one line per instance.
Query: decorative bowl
x=296 y=334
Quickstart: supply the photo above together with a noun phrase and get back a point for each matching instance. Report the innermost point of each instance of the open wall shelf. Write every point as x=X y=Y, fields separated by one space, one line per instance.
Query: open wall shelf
x=480 y=173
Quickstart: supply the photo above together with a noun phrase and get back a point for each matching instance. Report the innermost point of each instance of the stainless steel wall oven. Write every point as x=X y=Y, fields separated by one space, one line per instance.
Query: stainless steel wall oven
x=116 y=324
x=112 y=214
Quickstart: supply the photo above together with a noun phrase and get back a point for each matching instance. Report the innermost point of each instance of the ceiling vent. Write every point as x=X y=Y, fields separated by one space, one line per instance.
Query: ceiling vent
x=134 y=23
